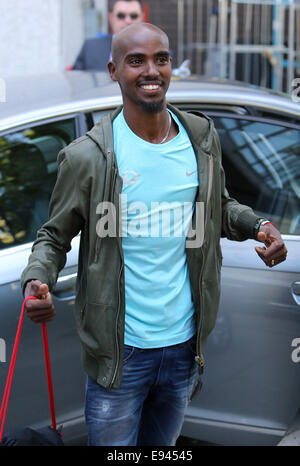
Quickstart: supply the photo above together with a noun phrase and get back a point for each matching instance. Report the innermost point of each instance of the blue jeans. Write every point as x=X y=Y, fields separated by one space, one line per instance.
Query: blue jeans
x=148 y=408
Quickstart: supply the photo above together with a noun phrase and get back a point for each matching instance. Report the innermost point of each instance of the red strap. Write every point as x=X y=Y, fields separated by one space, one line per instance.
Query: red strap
x=12 y=368
x=49 y=378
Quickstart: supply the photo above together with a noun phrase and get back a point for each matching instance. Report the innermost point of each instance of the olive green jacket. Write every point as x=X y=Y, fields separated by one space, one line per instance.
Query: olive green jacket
x=88 y=175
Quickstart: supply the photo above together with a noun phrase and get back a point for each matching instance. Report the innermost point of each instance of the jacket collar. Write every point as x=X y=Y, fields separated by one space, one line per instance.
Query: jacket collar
x=200 y=131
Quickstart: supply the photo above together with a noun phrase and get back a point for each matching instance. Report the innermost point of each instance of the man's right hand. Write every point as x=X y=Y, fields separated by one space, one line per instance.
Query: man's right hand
x=41 y=309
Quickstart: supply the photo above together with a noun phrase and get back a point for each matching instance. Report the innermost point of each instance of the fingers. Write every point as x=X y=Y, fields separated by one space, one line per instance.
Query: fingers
x=40 y=291
x=41 y=315
x=41 y=309
x=271 y=259
x=36 y=288
x=264 y=238
x=274 y=252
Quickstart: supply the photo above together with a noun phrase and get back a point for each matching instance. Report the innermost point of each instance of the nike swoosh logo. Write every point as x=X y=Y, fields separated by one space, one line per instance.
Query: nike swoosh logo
x=190 y=173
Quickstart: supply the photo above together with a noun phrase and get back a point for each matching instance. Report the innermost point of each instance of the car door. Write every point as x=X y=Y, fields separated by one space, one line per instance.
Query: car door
x=28 y=170
x=251 y=390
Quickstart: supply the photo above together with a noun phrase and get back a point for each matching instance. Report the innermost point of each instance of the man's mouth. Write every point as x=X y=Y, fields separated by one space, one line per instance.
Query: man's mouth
x=151 y=87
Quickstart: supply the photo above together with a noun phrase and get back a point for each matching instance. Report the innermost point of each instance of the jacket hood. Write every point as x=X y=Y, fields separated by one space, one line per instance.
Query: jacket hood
x=102 y=132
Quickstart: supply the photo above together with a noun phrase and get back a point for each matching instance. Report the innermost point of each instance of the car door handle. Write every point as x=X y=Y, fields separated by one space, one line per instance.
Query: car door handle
x=296 y=292
x=65 y=287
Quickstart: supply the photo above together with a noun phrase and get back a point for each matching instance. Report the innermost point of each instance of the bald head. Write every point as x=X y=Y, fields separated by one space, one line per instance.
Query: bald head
x=134 y=35
x=141 y=64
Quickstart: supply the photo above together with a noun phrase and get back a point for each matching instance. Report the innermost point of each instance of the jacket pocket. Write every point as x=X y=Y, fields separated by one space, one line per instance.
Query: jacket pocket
x=96 y=329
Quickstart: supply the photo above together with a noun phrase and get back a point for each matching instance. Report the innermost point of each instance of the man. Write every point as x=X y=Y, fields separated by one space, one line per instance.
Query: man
x=95 y=53
x=146 y=301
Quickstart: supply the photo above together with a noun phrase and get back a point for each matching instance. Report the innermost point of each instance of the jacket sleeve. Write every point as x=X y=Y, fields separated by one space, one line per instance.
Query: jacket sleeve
x=238 y=220
x=65 y=221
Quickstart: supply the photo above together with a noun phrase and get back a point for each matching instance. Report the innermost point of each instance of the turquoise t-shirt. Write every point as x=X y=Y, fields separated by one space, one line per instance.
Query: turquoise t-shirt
x=160 y=182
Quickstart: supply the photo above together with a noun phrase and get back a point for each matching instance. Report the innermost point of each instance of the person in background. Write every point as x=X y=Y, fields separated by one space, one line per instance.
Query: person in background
x=96 y=53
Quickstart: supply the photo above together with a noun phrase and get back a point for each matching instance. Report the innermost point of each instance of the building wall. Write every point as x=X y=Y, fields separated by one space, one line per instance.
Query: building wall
x=42 y=36
x=38 y=36
x=164 y=15
x=71 y=30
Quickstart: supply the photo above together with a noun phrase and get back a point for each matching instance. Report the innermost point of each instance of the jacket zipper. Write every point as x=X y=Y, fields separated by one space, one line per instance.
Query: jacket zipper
x=96 y=258
x=199 y=358
x=113 y=184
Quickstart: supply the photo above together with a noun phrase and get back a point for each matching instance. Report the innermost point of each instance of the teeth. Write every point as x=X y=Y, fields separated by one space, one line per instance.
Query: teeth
x=150 y=87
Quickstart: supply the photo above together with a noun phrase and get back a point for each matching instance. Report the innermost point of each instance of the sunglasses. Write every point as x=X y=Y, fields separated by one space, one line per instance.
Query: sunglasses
x=123 y=15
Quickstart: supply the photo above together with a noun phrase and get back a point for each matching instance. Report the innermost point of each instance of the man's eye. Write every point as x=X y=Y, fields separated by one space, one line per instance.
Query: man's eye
x=135 y=61
x=163 y=60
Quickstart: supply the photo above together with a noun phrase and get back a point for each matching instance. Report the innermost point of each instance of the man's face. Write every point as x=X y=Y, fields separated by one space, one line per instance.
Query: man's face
x=123 y=14
x=143 y=69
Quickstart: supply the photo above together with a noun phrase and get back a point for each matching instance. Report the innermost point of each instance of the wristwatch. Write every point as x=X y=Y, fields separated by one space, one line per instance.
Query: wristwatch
x=258 y=224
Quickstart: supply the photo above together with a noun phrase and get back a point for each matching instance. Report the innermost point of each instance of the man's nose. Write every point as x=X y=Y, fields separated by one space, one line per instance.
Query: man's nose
x=128 y=20
x=151 y=69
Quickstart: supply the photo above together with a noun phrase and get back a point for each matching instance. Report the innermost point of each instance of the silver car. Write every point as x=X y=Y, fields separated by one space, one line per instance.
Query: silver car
x=251 y=390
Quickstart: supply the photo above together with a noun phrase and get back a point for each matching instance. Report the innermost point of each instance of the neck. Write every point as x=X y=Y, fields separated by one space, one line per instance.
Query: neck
x=151 y=127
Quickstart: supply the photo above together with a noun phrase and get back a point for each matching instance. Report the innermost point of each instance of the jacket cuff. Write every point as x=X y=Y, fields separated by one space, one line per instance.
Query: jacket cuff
x=247 y=222
x=33 y=274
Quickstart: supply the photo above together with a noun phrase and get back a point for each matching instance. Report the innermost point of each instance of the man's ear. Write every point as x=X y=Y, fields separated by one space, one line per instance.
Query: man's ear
x=112 y=70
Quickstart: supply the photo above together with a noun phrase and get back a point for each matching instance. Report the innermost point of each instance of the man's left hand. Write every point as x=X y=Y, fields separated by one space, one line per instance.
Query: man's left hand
x=274 y=252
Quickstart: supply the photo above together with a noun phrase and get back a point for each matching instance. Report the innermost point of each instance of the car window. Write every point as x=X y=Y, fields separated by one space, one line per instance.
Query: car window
x=27 y=175
x=262 y=167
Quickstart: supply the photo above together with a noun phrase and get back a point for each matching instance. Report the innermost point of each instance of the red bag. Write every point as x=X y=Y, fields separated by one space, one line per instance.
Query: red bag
x=27 y=436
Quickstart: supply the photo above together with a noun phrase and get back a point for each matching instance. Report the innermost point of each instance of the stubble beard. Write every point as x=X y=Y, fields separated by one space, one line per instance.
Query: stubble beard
x=152 y=107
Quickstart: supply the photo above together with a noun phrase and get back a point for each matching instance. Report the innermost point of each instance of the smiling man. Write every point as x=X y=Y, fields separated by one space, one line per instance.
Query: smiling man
x=141 y=64
x=145 y=302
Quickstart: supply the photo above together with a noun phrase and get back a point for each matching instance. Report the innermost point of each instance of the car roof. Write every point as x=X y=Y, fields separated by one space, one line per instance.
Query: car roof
x=34 y=98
